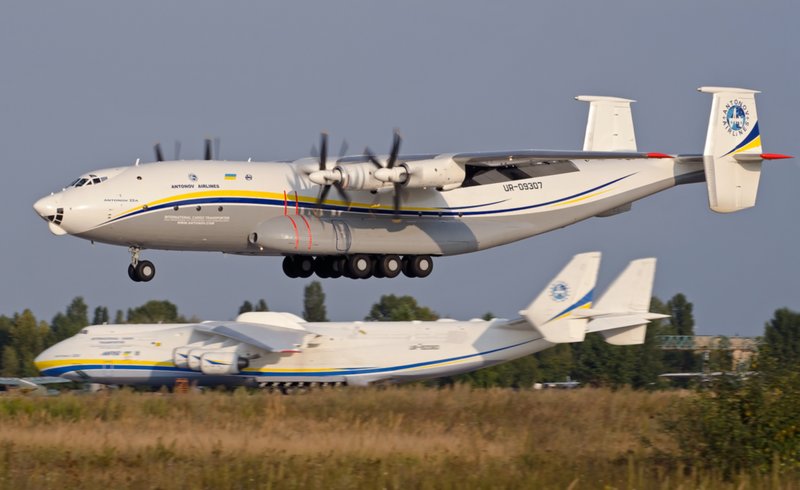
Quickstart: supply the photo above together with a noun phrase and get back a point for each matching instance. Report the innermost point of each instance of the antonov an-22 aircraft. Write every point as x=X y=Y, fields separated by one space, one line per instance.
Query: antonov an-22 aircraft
x=392 y=213
x=270 y=349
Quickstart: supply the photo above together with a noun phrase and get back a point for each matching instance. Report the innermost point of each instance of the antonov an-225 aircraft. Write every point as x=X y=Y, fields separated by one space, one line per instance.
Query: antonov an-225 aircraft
x=393 y=213
x=280 y=349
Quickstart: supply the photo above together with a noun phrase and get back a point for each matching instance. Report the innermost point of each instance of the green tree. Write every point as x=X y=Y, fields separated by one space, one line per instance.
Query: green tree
x=782 y=337
x=28 y=338
x=681 y=323
x=393 y=308
x=246 y=307
x=9 y=363
x=119 y=317
x=314 y=303
x=155 y=312
x=69 y=323
x=100 y=315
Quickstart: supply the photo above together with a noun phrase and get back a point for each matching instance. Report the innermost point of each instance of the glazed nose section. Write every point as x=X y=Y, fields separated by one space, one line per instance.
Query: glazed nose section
x=49 y=209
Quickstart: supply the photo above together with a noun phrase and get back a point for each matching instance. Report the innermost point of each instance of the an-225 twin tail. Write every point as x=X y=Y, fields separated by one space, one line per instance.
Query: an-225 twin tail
x=376 y=216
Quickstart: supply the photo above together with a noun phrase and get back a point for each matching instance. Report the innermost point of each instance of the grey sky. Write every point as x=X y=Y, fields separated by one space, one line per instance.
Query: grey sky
x=87 y=85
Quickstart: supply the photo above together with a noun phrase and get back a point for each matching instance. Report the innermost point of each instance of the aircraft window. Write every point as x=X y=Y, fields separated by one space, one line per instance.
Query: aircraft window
x=91 y=180
x=480 y=175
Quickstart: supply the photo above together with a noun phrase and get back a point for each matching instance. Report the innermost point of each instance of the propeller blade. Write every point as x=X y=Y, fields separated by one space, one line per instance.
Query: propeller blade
x=345 y=195
x=371 y=157
x=322 y=195
x=177 y=149
x=159 y=155
x=395 y=150
x=343 y=149
x=323 y=150
x=207 y=149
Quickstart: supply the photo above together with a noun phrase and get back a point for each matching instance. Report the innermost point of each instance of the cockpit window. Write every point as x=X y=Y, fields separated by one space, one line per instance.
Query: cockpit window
x=91 y=179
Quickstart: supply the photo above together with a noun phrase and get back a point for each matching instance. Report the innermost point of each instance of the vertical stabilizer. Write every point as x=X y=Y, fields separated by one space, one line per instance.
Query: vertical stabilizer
x=553 y=312
x=629 y=296
x=610 y=124
x=732 y=155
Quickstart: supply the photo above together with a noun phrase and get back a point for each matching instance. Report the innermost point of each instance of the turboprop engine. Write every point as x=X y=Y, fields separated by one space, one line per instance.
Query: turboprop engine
x=442 y=174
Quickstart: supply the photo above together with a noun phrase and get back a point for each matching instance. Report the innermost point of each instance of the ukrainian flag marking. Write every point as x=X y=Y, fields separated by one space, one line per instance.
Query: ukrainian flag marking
x=230 y=176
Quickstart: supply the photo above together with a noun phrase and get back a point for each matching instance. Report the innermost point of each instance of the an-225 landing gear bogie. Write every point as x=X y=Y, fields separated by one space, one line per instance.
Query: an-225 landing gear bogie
x=357 y=266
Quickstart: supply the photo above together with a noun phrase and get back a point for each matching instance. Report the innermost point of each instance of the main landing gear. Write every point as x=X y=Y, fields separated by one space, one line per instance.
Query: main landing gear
x=140 y=270
x=357 y=266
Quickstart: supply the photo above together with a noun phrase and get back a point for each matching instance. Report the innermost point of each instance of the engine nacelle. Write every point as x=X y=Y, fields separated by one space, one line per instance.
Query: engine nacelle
x=359 y=176
x=440 y=173
x=193 y=358
x=180 y=356
x=222 y=362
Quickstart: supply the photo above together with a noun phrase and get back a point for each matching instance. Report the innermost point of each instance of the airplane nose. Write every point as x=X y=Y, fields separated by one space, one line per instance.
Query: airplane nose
x=46 y=206
x=41 y=360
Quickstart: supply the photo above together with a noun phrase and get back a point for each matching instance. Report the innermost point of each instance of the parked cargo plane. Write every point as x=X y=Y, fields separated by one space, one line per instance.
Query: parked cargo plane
x=392 y=213
x=269 y=349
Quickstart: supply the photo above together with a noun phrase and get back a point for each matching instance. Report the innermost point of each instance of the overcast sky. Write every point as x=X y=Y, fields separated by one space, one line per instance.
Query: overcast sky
x=86 y=85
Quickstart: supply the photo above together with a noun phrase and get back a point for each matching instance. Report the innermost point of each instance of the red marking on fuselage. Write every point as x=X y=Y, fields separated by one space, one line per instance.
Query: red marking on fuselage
x=308 y=227
x=296 y=233
x=285 y=205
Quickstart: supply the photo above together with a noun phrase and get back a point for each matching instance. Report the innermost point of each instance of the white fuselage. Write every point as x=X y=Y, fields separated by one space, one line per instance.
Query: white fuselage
x=269 y=208
x=356 y=353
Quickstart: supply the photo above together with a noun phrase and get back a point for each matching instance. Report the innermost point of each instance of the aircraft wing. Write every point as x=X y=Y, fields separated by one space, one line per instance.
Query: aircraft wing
x=267 y=337
x=516 y=157
x=33 y=381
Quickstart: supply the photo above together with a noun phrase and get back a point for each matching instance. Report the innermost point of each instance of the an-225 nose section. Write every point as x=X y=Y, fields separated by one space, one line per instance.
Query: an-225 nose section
x=48 y=208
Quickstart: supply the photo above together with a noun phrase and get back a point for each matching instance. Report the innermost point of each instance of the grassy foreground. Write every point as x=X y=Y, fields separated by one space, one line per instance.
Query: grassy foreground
x=411 y=437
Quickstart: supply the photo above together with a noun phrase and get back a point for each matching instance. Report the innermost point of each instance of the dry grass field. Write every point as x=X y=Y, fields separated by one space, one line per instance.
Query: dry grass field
x=411 y=437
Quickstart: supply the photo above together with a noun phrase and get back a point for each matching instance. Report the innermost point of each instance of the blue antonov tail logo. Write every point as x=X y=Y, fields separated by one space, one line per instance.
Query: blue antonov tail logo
x=736 y=117
x=559 y=291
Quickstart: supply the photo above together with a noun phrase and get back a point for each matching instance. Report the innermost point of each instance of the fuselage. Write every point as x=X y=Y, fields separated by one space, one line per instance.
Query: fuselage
x=270 y=208
x=358 y=353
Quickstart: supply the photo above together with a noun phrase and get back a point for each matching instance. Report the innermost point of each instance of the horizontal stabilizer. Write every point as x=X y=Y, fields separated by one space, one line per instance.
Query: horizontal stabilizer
x=610 y=124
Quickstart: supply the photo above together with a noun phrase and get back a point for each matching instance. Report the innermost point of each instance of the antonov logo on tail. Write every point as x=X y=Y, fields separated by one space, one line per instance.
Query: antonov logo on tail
x=736 y=117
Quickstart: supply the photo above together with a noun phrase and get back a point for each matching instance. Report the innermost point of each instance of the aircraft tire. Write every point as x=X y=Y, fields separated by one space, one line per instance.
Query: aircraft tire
x=323 y=266
x=338 y=264
x=359 y=266
x=132 y=273
x=145 y=270
x=407 y=269
x=418 y=265
x=288 y=267
x=304 y=265
x=389 y=266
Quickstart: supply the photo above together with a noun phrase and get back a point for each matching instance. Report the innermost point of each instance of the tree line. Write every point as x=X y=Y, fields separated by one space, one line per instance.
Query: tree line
x=592 y=362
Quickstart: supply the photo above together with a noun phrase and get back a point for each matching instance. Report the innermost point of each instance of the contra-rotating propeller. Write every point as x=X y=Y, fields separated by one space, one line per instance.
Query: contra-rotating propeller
x=328 y=182
x=396 y=175
x=208 y=150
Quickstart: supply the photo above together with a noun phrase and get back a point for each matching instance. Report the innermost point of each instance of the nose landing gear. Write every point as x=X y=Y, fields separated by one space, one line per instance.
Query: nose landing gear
x=140 y=270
